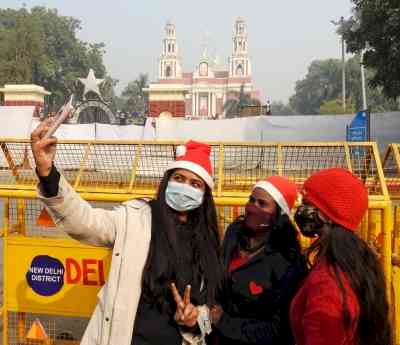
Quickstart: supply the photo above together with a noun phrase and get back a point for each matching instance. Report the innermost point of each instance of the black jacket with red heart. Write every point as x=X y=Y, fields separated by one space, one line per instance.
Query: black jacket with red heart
x=257 y=295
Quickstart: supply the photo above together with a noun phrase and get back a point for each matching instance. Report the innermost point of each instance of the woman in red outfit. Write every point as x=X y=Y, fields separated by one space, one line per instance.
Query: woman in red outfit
x=342 y=300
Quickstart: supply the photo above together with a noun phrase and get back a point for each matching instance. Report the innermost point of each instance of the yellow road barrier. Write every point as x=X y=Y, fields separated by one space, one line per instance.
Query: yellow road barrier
x=391 y=168
x=47 y=276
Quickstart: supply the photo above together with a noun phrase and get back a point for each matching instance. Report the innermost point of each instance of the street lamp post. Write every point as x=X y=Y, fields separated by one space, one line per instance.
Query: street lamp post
x=343 y=74
x=363 y=87
x=340 y=23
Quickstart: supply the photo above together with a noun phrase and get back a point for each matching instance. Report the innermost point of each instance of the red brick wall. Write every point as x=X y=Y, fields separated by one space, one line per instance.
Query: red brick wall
x=36 y=104
x=23 y=103
x=176 y=108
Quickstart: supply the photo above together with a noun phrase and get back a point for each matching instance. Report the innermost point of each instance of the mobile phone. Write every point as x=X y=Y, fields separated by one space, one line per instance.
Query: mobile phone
x=61 y=116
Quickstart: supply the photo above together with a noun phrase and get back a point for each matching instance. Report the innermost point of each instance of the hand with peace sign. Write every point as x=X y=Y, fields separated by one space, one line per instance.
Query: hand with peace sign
x=186 y=313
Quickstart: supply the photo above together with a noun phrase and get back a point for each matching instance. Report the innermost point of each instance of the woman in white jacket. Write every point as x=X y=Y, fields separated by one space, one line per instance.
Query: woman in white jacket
x=171 y=239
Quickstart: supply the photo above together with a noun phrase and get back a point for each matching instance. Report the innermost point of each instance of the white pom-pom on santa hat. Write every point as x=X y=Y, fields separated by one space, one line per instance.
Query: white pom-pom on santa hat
x=180 y=151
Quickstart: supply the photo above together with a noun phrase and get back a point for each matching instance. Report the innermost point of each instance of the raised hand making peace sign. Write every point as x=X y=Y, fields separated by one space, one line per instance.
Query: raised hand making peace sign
x=186 y=313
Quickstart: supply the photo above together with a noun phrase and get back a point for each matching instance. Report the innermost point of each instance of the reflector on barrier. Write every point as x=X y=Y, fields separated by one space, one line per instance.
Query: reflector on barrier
x=37 y=332
x=45 y=220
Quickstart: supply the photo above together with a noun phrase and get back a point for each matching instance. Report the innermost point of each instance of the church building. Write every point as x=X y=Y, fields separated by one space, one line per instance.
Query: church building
x=202 y=93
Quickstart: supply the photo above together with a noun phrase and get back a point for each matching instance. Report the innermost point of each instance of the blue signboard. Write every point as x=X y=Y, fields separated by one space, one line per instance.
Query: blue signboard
x=357 y=134
x=358 y=129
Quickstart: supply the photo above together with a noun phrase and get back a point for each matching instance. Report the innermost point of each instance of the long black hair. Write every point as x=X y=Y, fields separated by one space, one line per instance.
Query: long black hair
x=285 y=238
x=161 y=267
x=346 y=252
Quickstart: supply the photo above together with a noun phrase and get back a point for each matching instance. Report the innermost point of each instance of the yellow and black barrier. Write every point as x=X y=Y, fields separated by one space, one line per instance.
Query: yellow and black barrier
x=50 y=282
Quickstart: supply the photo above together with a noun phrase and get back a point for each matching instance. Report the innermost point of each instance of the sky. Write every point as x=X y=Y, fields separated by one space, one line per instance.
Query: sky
x=284 y=36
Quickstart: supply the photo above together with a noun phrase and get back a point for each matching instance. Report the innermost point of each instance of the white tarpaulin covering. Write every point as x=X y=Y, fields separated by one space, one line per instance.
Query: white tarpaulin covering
x=385 y=128
x=113 y=132
x=241 y=129
x=15 y=122
x=237 y=130
x=149 y=132
x=71 y=132
x=76 y=132
x=305 y=128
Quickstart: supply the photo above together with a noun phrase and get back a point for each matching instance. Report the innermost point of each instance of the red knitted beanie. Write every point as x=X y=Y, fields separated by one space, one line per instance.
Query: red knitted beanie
x=339 y=194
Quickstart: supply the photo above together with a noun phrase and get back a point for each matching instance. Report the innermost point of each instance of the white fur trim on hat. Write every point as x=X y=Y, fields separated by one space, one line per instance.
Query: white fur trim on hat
x=275 y=193
x=195 y=168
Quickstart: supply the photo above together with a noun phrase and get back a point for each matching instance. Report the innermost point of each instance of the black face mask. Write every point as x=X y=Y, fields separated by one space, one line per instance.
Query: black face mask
x=308 y=221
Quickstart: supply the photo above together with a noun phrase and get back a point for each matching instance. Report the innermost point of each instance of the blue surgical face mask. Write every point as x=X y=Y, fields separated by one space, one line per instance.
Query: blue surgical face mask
x=182 y=197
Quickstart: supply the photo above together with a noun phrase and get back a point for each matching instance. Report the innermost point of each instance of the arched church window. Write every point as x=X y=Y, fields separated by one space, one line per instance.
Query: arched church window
x=203 y=69
x=168 y=71
x=239 y=70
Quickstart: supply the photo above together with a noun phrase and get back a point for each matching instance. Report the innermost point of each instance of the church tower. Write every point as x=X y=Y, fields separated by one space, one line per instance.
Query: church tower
x=239 y=62
x=169 y=65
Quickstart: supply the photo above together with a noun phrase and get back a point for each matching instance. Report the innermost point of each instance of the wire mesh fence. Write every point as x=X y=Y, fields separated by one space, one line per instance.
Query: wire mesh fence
x=391 y=168
x=24 y=218
x=137 y=167
x=50 y=329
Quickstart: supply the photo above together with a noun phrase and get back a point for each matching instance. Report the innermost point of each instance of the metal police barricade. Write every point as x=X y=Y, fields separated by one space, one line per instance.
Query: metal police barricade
x=391 y=167
x=50 y=282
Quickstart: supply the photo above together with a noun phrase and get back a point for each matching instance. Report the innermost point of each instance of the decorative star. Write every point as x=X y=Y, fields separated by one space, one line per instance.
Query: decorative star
x=91 y=83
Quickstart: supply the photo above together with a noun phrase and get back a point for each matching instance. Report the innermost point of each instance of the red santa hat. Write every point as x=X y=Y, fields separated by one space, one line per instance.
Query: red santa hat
x=281 y=189
x=339 y=194
x=195 y=157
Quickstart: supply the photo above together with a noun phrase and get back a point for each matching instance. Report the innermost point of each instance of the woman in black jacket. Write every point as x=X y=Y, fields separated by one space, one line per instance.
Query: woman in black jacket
x=264 y=266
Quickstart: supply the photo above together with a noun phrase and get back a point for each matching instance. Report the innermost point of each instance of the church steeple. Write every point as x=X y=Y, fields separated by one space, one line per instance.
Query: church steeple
x=169 y=66
x=239 y=62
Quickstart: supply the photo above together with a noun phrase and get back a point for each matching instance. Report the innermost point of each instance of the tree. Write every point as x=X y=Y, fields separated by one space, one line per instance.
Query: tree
x=279 y=108
x=21 y=46
x=322 y=86
x=41 y=47
x=237 y=101
x=335 y=106
x=321 y=83
x=107 y=89
x=376 y=28
x=134 y=99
